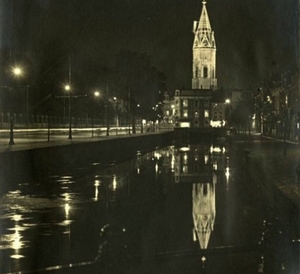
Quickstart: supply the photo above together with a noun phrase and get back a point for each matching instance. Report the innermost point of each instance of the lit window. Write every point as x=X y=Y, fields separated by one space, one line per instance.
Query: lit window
x=185 y=113
x=206 y=114
x=185 y=103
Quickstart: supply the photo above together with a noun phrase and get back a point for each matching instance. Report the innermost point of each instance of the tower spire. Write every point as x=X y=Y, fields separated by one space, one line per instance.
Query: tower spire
x=204 y=24
x=204 y=53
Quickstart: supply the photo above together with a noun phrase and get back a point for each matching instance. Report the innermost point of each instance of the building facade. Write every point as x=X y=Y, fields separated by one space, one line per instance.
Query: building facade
x=192 y=108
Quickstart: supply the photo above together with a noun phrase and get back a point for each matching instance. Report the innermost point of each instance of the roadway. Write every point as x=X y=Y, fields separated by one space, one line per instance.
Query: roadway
x=38 y=138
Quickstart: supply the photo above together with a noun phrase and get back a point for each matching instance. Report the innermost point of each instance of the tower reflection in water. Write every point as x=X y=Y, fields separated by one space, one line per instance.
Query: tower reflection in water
x=204 y=211
x=198 y=165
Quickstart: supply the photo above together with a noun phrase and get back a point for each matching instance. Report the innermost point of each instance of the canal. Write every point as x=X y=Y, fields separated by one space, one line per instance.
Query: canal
x=178 y=209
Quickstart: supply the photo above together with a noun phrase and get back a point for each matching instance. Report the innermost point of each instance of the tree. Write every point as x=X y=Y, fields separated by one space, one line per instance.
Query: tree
x=242 y=114
x=138 y=83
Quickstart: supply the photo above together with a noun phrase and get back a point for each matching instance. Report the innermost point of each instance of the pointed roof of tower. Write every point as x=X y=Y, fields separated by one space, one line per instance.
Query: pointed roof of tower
x=205 y=225
x=204 y=36
x=204 y=23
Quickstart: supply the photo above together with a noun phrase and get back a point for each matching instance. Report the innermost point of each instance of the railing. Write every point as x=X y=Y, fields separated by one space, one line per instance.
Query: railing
x=44 y=126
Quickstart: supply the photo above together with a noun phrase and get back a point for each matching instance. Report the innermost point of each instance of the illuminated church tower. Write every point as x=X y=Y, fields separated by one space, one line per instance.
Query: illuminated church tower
x=204 y=53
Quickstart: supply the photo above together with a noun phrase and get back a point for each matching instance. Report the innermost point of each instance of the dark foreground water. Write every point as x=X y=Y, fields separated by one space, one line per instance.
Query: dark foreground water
x=179 y=209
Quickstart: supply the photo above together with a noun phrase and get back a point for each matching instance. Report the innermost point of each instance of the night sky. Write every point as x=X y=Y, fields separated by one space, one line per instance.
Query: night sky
x=254 y=37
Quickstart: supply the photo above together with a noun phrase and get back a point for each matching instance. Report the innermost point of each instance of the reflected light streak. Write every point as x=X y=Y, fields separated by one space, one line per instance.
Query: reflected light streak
x=67 y=196
x=17 y=243
x=184 y=149
x=173 y=163
x=67 y=210
x=114 y=185
x=156 y=168
x=217 y=149
x=97 y=184
x=227 y=173
x=185 y=158
x=206 y=159
x=157 y=155
x=16 y=217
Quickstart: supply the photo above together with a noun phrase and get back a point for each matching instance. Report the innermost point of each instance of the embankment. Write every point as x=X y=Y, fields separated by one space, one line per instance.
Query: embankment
x=23 y=165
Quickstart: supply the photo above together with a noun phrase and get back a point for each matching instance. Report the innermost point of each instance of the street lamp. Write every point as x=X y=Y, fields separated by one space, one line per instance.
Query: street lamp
x=97 y=95
x=116 y=114
x=68 y=88
x=17 y=71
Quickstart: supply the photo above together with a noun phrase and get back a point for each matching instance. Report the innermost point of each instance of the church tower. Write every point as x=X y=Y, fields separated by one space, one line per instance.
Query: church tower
x=204 y=53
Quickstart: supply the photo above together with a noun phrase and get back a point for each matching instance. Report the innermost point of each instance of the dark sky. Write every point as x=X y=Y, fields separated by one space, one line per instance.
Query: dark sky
x=254 y=37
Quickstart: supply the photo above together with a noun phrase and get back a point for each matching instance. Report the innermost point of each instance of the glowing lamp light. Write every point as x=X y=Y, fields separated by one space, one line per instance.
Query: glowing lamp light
x=67 y=87
x=17 y=71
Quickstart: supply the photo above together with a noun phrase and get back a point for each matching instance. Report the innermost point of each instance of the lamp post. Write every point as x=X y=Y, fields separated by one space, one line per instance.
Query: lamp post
x=17 y=71
x=68 y=88
x=107 y=110
x=27 y=107
x=97 y=95
x=226 y=118
x=116 y=106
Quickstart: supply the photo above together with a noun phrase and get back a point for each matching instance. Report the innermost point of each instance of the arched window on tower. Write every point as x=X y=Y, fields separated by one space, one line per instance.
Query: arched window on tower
x=205 y=72
x=213 y=73
x=196 y=72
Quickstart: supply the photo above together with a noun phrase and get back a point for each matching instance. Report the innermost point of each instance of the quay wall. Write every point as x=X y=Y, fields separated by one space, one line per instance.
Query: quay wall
x=264 y=189
x=22 y=165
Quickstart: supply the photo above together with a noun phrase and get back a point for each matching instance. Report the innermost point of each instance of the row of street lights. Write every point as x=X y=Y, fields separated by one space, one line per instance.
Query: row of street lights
x=18 y=72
